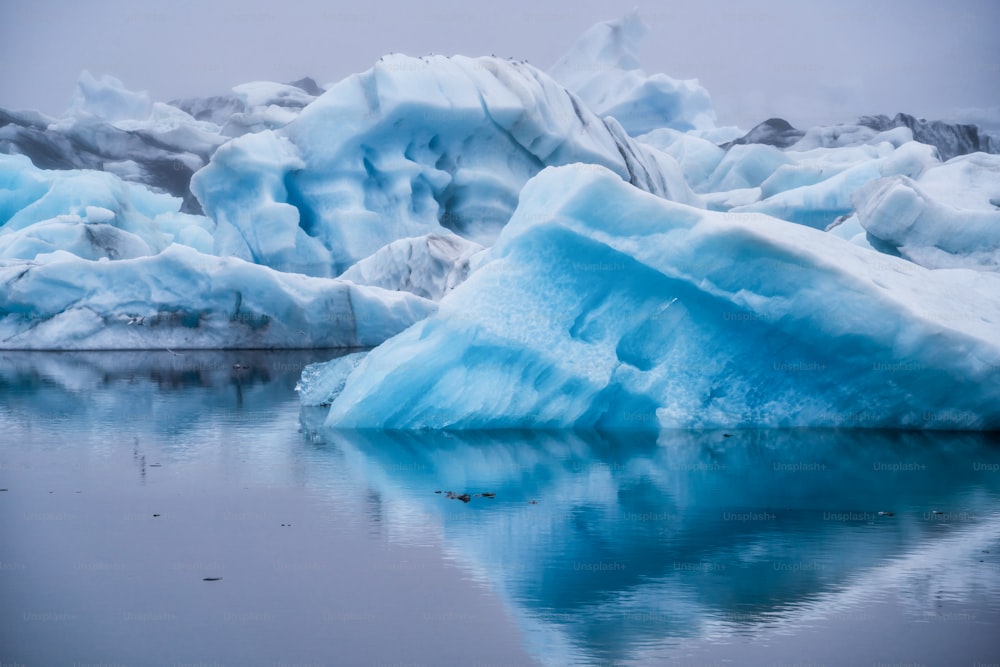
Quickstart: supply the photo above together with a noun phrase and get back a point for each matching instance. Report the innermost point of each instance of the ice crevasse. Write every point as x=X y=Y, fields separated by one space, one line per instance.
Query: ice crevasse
x=601 y=306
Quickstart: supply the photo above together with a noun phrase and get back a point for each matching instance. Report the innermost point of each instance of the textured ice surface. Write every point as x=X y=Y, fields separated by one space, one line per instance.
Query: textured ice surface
x=255 y=221
x=415 y=146
x=321 y=383
x=601 y=306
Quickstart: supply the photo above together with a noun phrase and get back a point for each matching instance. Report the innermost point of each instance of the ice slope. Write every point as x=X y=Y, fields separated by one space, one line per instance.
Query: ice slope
x=948 y=217
x=415 y=146
x=182 y=299
x=601 y=306
x=602 y=68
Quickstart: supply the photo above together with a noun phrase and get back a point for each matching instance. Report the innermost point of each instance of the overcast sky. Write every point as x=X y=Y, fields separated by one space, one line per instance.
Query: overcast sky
x=807 y=61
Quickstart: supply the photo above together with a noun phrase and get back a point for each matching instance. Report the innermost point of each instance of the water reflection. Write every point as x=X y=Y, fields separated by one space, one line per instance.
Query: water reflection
x=620 y=547
x=606 y=548
x=165 y=393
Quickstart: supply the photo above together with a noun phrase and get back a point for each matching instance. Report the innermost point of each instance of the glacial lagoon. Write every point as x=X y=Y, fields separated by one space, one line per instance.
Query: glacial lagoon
x=181 y=508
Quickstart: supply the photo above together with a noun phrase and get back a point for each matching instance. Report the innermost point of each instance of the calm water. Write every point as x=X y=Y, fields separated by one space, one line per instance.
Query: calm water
x=130 y=478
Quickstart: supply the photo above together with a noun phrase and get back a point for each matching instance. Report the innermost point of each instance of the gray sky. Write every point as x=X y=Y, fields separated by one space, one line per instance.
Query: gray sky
x=807 y=61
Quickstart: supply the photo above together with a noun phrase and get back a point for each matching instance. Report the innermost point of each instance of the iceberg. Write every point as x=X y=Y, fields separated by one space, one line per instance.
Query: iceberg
x=252 y=107
x=183 y=299
x=951 y=139
x=601 y=306
x=698 y=157
x=89 y=213
x=399 y=180
x=109 y=128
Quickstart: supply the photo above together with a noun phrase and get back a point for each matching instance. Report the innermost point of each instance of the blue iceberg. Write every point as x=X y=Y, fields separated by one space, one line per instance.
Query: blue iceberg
x=601 y=306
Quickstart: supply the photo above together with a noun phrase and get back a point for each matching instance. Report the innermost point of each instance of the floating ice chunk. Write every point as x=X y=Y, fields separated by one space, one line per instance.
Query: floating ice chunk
x=321 y=383
x=601 y=306
x=744 y=166
x=73 y=234
x=268 y=93
x=697 y=157
x=819 y=204
x=842 y=136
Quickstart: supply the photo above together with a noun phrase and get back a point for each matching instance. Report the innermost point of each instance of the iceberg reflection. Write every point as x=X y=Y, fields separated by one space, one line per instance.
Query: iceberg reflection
x=622 y=546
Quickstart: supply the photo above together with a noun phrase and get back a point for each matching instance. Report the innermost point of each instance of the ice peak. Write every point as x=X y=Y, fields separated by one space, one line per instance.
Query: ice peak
x=602 y=68
x=108 y=98
x=610 y=44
